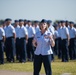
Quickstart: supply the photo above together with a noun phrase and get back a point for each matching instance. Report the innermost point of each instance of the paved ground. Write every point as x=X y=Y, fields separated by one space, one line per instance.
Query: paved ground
x=3 y=72
x=66 y=74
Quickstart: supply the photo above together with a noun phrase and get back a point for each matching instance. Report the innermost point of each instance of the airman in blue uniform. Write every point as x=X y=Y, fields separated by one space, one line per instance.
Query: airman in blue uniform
x=64 y=41
x=72 y=48
x=2 y=40
x=56 y=37
x=23 y=37
x=31 y=33
x=10 y=40
x=51 y=29
x=16 y=25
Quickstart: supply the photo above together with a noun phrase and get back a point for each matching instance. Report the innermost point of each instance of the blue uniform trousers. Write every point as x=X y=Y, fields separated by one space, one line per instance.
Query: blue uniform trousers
x=17 y=49
x=30 y=49
x=59 y=48
x=22 y=50
x=38 y=60
x=72 y=49
x=64 y=45
x=56 y=47
x=10 y=49
x=1 y=52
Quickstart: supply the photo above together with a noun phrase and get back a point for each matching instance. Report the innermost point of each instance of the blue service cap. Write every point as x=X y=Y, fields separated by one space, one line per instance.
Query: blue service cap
x=29 y=21
x=71 y=22
x=62 y=21
x=59 y=22
x=36 y=21
x=16 y=21
x=8 y=19
x=66 y=21
x=43 y=21
x=25 y=20
x=49 y=21
x=21 y=20
x=55 y=25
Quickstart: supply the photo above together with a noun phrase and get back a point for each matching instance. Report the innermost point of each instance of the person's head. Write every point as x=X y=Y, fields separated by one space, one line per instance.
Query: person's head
x=49 y=22
x=29 y=23
x=66 y=23
x=56 y=27
x=21 y=22
x=43 y=25
x=75 y=26
x=71 y=24
x=36 y=23
x=16 y=22
x=8 y=21
x=59 y=24
x=62 y=23
x=4 y=24
x=25 y=22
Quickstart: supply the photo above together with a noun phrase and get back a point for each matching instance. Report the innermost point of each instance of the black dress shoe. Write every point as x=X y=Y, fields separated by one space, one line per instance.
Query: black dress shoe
x=1 y=63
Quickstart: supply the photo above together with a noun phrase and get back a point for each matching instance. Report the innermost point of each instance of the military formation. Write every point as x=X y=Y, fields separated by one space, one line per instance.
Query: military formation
x=16 y=40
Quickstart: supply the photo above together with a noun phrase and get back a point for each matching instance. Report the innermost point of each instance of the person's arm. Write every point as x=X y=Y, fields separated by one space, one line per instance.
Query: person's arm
x=14 y=35
x=34 y=43
x=4 y=39
x=52 y=41
x=26 y=37
x=3 y=35
x=33 y=31
x=68 y=36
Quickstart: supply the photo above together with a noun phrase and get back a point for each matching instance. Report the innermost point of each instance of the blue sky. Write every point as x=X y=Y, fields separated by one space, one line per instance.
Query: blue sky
x=38 y=9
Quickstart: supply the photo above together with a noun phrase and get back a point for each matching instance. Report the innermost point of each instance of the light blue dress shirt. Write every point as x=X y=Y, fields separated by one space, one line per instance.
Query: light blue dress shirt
x=22 y=32
x=51 y=29
x=59 y=31
x=17 y=31
x=64 y=32
x=56 y=34
x=2 y=33
x=9 y=30
x=31 y=31
x=43 y=43
x=37 y=29
x=72 y=32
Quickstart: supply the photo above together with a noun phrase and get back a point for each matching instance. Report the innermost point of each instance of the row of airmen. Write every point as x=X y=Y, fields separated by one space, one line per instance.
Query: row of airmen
x=20 y=36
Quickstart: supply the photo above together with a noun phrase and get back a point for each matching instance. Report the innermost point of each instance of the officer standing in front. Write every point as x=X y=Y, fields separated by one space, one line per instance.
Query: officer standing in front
x=43 y=41
x=10 y=40
x=2 y=40
x=23 y=38
x=64 y=41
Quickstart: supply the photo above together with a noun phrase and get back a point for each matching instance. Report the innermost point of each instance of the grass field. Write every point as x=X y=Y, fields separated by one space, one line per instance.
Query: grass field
x=58 y=67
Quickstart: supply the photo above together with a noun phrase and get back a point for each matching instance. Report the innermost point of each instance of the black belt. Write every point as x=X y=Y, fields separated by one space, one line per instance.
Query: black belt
x=64 y=39
x=1 y=40
x=9 y=37
x=72 y=38
x=21 y=38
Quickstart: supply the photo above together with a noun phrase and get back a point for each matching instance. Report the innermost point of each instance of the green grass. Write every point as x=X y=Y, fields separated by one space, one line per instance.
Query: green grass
x=58 y=67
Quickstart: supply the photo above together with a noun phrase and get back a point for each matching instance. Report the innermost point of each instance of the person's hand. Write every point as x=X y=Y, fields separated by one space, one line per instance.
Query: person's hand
x=50 y=37
x=26 y=41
